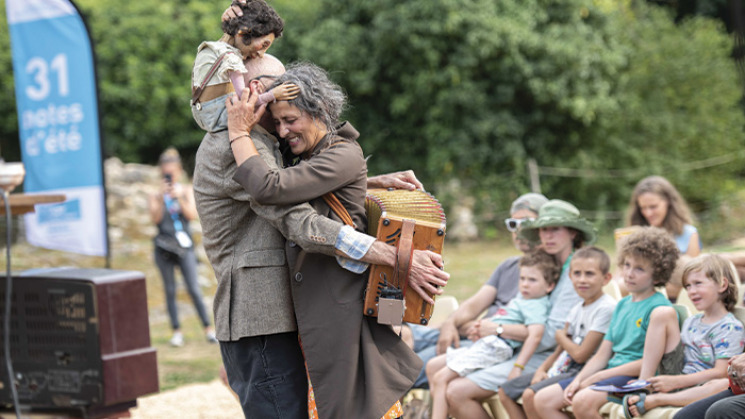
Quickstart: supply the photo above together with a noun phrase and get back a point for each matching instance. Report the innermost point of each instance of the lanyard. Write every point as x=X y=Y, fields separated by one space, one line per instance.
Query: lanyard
x=173 y=209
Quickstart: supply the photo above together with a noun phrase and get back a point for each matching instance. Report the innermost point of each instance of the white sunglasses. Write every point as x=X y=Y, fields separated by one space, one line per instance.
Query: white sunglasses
x=513 y=224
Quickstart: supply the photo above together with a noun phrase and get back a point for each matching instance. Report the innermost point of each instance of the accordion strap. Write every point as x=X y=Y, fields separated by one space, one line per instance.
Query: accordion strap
x=333 y=202
x=404 y=253
x=405 y=250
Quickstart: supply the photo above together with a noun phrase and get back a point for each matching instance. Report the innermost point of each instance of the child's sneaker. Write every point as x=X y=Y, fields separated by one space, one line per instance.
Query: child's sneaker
x=211 y=338
x=177 y=340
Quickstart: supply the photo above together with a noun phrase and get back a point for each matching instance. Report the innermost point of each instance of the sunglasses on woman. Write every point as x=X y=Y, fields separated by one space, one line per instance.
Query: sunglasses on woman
x=513 y=224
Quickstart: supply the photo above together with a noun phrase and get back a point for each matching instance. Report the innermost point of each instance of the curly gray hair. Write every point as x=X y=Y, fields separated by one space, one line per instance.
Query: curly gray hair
x=319 y=97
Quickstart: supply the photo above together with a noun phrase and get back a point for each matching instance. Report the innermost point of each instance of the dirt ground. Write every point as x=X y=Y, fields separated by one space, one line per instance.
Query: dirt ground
x=211 y=400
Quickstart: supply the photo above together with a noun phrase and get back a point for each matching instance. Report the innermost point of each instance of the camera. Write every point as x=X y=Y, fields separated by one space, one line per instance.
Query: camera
x=168 y=178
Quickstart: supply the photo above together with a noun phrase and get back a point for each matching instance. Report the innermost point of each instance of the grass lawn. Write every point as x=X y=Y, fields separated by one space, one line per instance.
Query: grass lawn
x=470 y=265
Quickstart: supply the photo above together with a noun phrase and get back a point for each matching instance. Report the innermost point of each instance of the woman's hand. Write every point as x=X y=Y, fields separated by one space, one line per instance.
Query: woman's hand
x=166 y=186
x=242 y=116
x=427 y=274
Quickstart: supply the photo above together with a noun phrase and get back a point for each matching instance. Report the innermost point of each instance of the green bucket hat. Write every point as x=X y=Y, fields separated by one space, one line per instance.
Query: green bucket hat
x=558 y=213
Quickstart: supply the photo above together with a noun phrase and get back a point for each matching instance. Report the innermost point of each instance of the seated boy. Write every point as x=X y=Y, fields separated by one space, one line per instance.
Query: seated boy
x=643 y=323
x=710 y=339
x=585 y=328
x=525 y=315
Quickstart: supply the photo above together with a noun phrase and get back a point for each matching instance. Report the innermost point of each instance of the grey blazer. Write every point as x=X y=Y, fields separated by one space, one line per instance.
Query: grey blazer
x=245 y=244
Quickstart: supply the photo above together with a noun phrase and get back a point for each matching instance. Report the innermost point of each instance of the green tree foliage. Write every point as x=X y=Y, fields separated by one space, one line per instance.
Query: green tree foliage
x=145 y=51
x=679 y=103
x=145 y=55
x=9 y=148
x=455 y=89
x=470 y=89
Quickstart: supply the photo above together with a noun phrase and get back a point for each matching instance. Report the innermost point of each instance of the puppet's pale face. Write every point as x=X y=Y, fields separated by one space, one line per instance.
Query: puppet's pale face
x=256 y=48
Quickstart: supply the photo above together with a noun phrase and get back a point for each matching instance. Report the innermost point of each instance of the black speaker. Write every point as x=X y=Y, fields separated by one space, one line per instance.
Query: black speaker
x=80 y=341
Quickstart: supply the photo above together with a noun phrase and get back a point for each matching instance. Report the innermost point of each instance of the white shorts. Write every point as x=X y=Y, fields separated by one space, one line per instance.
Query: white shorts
x=485 y=352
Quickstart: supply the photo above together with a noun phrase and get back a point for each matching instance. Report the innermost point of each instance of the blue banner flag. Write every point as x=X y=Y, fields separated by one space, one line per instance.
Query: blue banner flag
x=57 y=99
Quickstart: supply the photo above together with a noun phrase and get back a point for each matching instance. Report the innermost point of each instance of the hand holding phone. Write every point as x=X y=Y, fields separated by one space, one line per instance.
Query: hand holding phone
x=167 y=184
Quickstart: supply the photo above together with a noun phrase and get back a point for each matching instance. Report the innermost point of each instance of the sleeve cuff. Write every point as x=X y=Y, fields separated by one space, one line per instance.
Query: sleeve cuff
x=354 y=245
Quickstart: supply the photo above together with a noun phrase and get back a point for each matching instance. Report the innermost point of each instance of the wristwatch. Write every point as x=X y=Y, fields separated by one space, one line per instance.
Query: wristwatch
x=500 y=330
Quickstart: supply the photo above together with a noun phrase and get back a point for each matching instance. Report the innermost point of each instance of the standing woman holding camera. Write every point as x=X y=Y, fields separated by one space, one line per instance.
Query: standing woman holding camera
x=171 y=209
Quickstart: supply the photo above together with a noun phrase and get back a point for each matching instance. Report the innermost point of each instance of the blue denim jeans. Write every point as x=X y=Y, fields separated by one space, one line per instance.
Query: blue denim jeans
x=211 y=116
x=166 y=263
x=268 y=375
x=700 y=409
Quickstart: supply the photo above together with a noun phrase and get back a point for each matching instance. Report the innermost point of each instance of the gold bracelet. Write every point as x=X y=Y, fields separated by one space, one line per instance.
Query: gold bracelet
x=239 y=137
x=521 y=366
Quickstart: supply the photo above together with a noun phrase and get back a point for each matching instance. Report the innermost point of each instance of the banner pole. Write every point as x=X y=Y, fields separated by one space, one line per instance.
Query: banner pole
x=100 y=136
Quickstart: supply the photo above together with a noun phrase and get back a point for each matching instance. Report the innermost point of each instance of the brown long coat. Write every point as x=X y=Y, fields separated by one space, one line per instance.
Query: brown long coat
x=358 y=368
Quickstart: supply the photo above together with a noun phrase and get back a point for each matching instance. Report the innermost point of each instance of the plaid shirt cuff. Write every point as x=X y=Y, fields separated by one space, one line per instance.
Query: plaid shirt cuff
x=354 y=245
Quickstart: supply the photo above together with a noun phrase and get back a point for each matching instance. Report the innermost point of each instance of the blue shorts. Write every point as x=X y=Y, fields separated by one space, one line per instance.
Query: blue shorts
x=211 y=116
x=514 y=388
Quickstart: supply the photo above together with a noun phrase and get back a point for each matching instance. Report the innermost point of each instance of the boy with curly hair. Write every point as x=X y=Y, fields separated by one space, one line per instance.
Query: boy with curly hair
x=643 y=324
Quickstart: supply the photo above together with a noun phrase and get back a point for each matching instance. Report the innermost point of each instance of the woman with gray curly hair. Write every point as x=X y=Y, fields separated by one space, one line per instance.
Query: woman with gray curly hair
x=322 y=99
x=357 y=368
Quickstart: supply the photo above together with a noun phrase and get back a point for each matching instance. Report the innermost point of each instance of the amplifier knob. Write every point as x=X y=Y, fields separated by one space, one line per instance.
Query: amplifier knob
x=370 y=312
x=386 y=222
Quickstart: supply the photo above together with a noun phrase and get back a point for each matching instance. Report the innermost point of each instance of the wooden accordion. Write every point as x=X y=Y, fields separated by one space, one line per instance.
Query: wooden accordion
x=409 y=220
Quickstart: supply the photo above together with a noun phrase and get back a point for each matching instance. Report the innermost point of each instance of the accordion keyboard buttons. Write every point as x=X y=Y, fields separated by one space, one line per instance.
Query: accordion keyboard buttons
x=298 y=277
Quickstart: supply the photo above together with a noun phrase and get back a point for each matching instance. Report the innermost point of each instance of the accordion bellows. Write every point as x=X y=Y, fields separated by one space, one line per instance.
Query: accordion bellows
x=387 y=211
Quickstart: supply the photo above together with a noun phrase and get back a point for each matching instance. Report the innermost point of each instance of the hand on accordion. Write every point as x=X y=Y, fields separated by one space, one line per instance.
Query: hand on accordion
x=427 y=274
x=398 y=180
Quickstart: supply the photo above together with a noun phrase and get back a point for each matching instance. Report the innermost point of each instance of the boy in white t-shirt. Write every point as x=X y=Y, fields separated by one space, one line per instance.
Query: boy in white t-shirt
x=584 y=331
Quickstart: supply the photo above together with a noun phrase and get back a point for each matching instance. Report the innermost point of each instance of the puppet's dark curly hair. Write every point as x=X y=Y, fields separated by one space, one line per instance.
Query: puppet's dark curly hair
x=259 y=19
